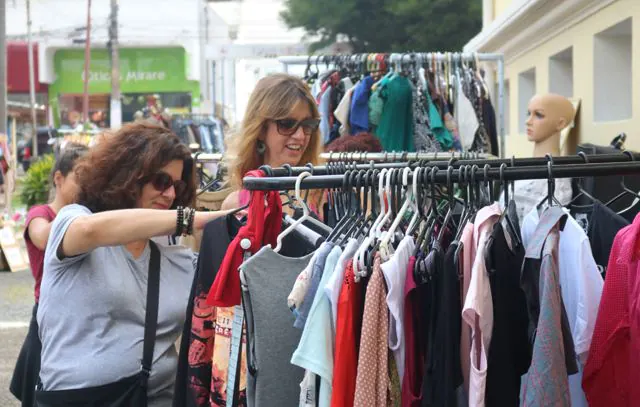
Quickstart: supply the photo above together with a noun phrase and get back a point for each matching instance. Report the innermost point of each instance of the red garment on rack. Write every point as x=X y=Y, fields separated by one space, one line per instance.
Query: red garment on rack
x=612 y=373
x=347 y=346
x=264 y=222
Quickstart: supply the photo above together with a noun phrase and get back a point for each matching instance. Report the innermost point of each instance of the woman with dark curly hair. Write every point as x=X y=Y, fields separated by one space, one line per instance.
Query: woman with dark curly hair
x=134 y=185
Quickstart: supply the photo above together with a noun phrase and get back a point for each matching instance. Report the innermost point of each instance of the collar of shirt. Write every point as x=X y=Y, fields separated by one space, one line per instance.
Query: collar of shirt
x=630 y=249
x=482 y=217
x=548 y=221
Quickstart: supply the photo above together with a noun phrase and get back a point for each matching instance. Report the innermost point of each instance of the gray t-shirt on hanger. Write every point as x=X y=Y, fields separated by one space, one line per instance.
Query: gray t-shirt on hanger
x=92 y=310
x=269 y=277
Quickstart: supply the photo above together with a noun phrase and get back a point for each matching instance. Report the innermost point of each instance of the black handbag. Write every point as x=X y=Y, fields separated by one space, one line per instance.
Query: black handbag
x=130 y=391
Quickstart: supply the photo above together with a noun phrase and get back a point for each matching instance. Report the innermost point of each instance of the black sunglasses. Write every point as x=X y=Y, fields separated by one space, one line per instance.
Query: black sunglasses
x=162 y=181
x=288 y=127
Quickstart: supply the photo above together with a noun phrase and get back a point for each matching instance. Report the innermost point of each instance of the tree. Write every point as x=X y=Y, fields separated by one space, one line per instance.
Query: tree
x=387 y=25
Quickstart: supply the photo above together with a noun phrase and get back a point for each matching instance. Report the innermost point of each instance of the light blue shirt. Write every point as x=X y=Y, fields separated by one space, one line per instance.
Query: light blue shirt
x=315 y=350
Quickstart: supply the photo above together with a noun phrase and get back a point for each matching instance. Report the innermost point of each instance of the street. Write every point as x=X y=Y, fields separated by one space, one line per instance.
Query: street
x=16 y=301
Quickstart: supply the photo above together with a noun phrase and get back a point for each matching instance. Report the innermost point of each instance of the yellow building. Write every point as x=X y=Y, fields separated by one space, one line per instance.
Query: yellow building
x=586 y=50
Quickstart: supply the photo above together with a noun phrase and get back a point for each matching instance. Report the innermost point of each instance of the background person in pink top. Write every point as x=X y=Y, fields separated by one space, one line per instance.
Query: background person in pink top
x=36 y=235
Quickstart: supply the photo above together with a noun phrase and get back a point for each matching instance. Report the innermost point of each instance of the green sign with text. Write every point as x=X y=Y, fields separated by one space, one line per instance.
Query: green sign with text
x=142 y=70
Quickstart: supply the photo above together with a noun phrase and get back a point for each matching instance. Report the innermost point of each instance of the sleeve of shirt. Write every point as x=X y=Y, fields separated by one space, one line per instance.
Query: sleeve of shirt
x=59 y=228
x=39 y=211
x=589 y=301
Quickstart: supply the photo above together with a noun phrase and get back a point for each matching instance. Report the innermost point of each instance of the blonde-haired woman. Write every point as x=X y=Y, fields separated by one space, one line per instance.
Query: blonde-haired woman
x=280 y=126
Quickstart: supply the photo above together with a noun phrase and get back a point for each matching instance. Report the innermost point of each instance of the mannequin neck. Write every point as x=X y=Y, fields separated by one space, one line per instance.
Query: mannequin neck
x=551 y=145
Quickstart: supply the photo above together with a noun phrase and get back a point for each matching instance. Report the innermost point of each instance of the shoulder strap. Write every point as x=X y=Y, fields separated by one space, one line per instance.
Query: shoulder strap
x=151 y=317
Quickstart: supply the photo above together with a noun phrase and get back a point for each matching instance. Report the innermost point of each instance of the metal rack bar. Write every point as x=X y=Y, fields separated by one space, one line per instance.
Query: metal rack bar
x=443 y=177
x=398 y=156
x=498 y=59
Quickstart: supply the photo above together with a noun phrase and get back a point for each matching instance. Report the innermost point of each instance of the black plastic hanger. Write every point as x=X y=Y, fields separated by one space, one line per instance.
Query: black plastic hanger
x=581 y=189
x=625 y=189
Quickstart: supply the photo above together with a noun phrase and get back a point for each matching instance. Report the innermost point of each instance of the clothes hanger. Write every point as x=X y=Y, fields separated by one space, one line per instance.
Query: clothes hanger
x=360 y=213
x=370 y=216
x=361 y=260
x=371 y=236
x=625 y=189
x=581 y=189
x=306 y=213
x=346 y=192
x=389 y=235
x=416 y=212
x=449 y=216
x=551 y=186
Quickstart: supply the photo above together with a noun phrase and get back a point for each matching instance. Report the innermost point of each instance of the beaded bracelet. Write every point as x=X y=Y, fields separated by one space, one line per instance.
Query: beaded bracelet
x=190 y=219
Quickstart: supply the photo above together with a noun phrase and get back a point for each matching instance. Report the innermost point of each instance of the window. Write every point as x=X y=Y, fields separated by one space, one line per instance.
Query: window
x=561 y=73
x=526 y=90
x=71 y=109
x=612 y=56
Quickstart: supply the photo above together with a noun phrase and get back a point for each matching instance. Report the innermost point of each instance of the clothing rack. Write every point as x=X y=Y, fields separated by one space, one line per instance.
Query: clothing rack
x=442 y=164
x=421 y=57
x=363 y=156
x=524 y=169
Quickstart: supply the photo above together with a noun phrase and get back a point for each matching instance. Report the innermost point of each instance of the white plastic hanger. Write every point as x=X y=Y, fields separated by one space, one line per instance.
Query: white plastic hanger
x=370 y=238
x=305 y=210
x=385 y=252
x=358 y=260
x=416 y=213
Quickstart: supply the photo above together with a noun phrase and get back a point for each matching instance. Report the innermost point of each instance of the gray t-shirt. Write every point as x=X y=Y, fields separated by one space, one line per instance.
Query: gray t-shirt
x=269 y=277
x=92 y=310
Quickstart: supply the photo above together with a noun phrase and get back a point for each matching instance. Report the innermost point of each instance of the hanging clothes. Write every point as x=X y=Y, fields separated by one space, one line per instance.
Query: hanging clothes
x=315 y=350
x=359 y=115
x=372 y=380
x=478 y=307
x=271 y=336
x=466 y=116
x=612 y=371
x=348 y=334
x=509 y=354
x=581 y=285
x=546 y=382
x=396 y=122
x=601 y=224
x=262 y=228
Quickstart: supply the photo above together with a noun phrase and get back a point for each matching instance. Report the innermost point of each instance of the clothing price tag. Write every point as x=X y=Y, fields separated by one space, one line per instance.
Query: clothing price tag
x=234 y=360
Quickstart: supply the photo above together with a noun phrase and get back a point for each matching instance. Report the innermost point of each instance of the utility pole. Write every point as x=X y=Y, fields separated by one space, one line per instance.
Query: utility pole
x=87 y=61
x=32 y=86
x=116 y=103
x=3 y=67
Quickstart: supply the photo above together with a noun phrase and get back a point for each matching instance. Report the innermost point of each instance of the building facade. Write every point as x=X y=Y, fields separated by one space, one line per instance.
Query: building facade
x=585 y=50
x=161 y=46
x=148 y=76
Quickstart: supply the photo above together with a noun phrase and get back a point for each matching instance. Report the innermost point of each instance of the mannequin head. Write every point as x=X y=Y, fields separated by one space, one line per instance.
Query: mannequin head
x=547 y=116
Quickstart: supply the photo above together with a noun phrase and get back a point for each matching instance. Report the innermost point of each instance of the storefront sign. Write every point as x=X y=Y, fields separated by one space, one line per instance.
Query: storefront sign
x=141 y=70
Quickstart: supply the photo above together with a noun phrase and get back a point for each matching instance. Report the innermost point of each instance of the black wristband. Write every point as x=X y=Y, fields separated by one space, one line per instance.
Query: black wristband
x=180 y=221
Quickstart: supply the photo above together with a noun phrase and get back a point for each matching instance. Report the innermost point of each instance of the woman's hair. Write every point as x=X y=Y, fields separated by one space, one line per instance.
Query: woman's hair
x=67 y=159
x=274 y=97
x=361 y=142
x=109 y=176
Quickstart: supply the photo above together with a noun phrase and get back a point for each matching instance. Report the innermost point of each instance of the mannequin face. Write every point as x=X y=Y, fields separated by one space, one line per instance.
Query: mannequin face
x=547 y=115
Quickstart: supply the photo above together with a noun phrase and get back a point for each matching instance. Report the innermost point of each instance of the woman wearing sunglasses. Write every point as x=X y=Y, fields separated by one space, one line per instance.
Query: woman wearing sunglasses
x=135 y=185
x=280 y=126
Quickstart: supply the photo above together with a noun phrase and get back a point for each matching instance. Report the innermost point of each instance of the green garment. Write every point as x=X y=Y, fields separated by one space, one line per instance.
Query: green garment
x=441 y=133
x=395 y=130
